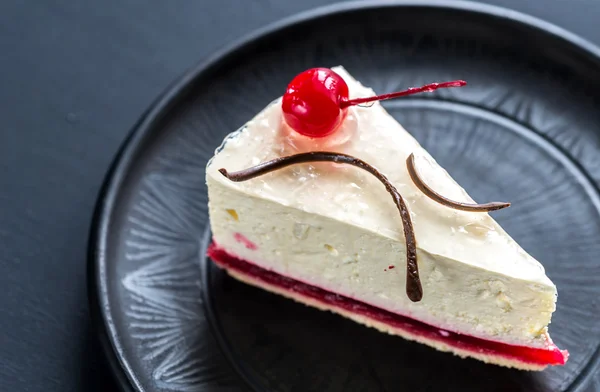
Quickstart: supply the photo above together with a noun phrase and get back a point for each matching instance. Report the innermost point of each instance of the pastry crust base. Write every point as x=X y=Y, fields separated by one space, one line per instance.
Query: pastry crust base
x=501 y=360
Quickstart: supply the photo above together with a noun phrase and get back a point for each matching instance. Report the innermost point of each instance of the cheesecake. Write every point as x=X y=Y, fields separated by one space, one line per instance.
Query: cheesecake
x=366 y=224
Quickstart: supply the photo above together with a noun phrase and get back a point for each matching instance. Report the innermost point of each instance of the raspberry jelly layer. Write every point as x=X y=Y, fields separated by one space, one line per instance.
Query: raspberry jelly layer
x=551 y=355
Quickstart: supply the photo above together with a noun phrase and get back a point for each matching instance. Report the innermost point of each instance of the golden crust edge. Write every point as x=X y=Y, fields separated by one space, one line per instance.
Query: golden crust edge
x=382 y=327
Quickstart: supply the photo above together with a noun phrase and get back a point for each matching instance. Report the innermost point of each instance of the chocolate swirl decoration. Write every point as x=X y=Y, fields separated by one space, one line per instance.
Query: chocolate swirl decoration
x=429 y=192
x=414 y=290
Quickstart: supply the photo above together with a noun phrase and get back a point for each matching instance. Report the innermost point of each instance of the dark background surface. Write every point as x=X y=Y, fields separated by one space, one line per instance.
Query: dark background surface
x=75 y=76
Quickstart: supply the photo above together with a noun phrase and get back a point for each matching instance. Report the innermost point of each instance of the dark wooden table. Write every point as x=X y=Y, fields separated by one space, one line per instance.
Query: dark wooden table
x=75 y=76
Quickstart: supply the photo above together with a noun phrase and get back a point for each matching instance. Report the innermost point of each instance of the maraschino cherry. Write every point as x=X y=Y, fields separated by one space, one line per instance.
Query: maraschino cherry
x=316 y=101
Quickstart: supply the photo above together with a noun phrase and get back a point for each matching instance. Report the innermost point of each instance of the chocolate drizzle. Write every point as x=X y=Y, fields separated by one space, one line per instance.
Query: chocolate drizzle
x=429 y=192
x=414 y=290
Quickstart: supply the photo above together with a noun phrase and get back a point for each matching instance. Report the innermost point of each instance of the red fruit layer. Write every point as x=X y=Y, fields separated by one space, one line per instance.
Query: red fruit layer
x=551 y=355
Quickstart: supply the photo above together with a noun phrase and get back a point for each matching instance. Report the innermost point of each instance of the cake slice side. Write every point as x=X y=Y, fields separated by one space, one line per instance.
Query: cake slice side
x=348 y=260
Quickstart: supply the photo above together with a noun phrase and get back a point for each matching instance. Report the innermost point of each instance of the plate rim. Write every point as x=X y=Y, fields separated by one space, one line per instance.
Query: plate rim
x=99 y=302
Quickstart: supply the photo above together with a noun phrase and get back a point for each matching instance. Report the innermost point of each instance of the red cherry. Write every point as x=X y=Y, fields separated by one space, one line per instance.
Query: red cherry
x=316 y=101
x=311 y=103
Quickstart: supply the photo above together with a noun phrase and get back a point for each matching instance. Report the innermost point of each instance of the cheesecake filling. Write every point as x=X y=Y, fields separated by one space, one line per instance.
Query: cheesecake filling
x=335 y=229
x=354 y=197
x=549 y=355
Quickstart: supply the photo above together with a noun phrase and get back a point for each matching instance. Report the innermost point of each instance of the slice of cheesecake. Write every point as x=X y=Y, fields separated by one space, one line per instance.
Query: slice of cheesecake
x=329 y=236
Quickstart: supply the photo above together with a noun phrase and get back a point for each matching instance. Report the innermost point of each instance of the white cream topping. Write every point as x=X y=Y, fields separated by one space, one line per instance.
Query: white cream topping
x=464 y=253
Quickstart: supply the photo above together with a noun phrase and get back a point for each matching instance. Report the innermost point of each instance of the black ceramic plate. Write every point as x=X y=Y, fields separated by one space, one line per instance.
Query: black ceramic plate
x=526 y=129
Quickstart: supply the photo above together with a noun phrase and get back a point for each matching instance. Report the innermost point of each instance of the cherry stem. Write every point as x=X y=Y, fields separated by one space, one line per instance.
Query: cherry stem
x=413 y=90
